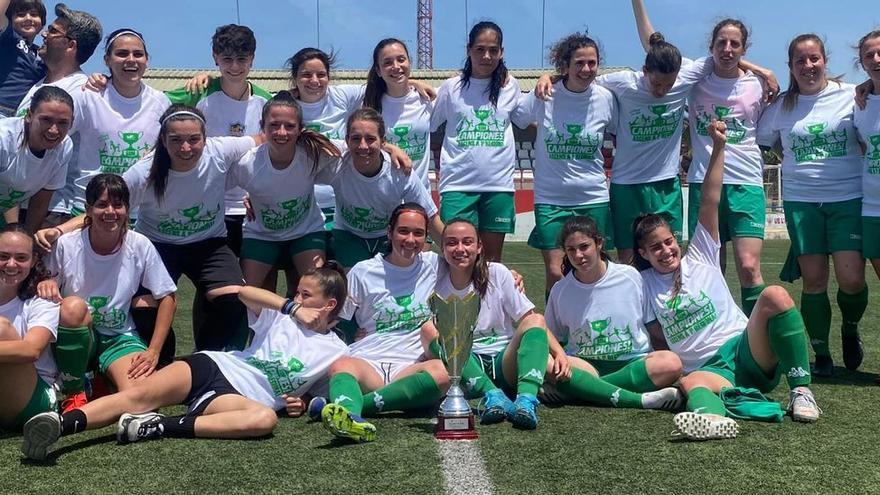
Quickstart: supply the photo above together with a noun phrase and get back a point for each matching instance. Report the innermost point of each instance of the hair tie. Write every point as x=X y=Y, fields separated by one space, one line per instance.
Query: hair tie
x=183 y=112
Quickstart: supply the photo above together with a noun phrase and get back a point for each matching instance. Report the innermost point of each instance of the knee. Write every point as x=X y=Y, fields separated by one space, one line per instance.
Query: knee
x=438 y=372
x=262 y=421
x=665 y=368
x=534 y=320
x=341 y=365
x=8 y=330
x=775 y=299
x=749 y=268
x=692 y=381
x=852 y=282
x=74 y=312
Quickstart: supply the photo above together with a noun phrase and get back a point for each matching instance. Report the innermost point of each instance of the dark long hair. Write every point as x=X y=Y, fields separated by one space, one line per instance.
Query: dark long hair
x=369 y=115
x=586 y=226
x=743 y=31
x=43 y=95
x=499 y=75
x=480 y=273
x=643 y=225
x=117 y=190
x=28 y=287
x=306 y=54
x=662 y=57
x=315 y=143
x=789 y=99
x=376 y=86
x=158 y=176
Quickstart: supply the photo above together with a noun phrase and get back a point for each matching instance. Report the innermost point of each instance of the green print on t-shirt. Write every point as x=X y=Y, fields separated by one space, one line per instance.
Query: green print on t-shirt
x=402 y=317
x=413 y=144
x=610 y=343
x=104 y=316
x=486 y=338
x=873 y=154
x=288 y=214
x=482 y=131
x=689 y=315
x=283 y=377
x=321 y=129
x=116 y=158
x=661 y=125
x=736 y=131
x=819 y=144
x=10 y=199
x=363 y=219
x=573 y=145
x=194 y=221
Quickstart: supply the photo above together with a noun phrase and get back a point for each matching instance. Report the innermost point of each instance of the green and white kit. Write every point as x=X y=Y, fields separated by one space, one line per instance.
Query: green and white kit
x=867 y=124
x=22 y=174
x=408 y=126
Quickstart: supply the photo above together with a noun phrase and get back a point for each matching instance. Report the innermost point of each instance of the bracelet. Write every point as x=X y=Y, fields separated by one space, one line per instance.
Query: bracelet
x=60 y=232
x=287 y=307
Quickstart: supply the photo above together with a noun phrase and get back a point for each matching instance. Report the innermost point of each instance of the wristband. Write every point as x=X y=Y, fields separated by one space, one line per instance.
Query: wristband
x=287 y=307
x=60 y=232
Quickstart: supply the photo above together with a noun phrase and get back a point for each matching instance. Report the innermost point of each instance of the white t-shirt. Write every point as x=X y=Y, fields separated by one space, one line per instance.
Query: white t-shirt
x=35 y=312
x=22 y=174
x=821 y=158
x=390 y=303
x=191 y=209
x=739 y=102
x=500 y=309
x=283 y=200
x=570 y=168
x=602 y=321
x=71 y=83
x=867 y=123
x=283 y=358
x=478 y=147
x=703 y=316
x=408 y=126
x=649 y=128
x=115 y=132
x=108 y=282
x=329 y=116
x=364 y=204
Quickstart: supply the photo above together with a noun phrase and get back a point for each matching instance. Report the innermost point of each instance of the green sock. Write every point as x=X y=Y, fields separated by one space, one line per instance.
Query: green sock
x=531 y=361
x=633 y=377
x=852 y=307
x=474 y=380
x=788 y=342
x=749 y=296
x=587 y=387
x=73 y=349
x=816 y=310
x=346 y=391
x=704 y=401
x=410 y=392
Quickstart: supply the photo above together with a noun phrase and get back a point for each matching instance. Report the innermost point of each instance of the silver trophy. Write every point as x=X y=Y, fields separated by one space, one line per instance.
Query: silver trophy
x=455 y=319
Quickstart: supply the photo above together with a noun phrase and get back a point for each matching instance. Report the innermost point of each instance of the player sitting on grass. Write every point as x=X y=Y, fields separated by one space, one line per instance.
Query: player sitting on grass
x=720 y=348
x=228 y=394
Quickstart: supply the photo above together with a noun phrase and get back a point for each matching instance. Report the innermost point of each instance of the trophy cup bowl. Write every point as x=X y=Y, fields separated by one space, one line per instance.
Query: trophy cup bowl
x=455 y=319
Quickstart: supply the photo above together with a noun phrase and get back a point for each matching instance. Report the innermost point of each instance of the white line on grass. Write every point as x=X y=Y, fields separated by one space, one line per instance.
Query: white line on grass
x=464 y=472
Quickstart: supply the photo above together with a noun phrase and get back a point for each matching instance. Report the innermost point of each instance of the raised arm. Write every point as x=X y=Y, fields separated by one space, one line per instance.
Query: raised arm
x=643 y=24
x=711 y=190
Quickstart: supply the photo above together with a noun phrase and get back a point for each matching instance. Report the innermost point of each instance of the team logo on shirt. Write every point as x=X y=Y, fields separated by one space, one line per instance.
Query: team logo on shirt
x=116 y=158
x=11 y=199
x=412 y=143
x=819 y=143
x=484 y=130
x=574 y=144
x=104 y=316
x=322 y=129
x=486 y=338
x=195 y=219
x=660 y=125
x=736 y=131
x=363 y=219
x=402 y=316
x=283 y=377
x=686 y=316
x=288 y=214
x=604 y=341
x=873 y=154
x=236 y=129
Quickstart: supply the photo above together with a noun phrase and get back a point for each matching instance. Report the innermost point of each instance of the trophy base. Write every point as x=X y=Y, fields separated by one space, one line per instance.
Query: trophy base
x=456 y=428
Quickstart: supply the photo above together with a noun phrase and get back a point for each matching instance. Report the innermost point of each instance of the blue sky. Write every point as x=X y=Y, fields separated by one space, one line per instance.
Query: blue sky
x=178 y=32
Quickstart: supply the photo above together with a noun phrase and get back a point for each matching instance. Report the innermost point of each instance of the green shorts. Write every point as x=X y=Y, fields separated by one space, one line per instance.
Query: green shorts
x=489 y=211
x=349 y=248
x=735 y=363
x=113 y=347
x=550 y=218
x=741 y=212
x=42 y=399
x=628 y=201
x=492 y=366
x=871 y=237
x=278 y=253
x=823 y=228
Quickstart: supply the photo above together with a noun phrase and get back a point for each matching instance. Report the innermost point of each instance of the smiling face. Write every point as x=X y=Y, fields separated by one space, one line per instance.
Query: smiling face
x=108 y=215
x=393 y=65
x=485 y=54
x=728 y=49
x=364 y=143
x=312 y=79
x=185 y=141
x=661 y=249
x=234 y=67
x=407 y=236
x=281 y=127
x=584 y=255
x=55 y=42
x=582 y=69
x=807 y=66
x=461 y=245
x=48 y=125
x=127 y=60
x=16 y=258
x=27 y=24
x=869 y=56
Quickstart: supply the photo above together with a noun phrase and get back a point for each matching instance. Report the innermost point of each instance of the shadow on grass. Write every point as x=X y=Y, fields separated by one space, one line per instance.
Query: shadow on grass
x=51 y=460
x=843 y=376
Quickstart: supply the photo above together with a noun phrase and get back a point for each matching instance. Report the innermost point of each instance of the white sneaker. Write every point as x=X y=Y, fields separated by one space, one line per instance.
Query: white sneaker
x=137 y=427
x=695 y=426
x=39 y=433
x=666 y=399
x=802 y=405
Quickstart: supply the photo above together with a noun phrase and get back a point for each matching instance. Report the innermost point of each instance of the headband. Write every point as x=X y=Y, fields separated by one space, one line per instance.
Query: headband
x=181 y=113
x=125 y=32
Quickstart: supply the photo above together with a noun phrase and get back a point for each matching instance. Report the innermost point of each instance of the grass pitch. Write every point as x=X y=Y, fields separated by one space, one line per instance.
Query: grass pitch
x=574 y=449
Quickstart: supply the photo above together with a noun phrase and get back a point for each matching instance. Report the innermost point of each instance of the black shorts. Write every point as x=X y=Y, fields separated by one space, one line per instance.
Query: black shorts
x=208 y=383
x=234 y=224
x=210 y=264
